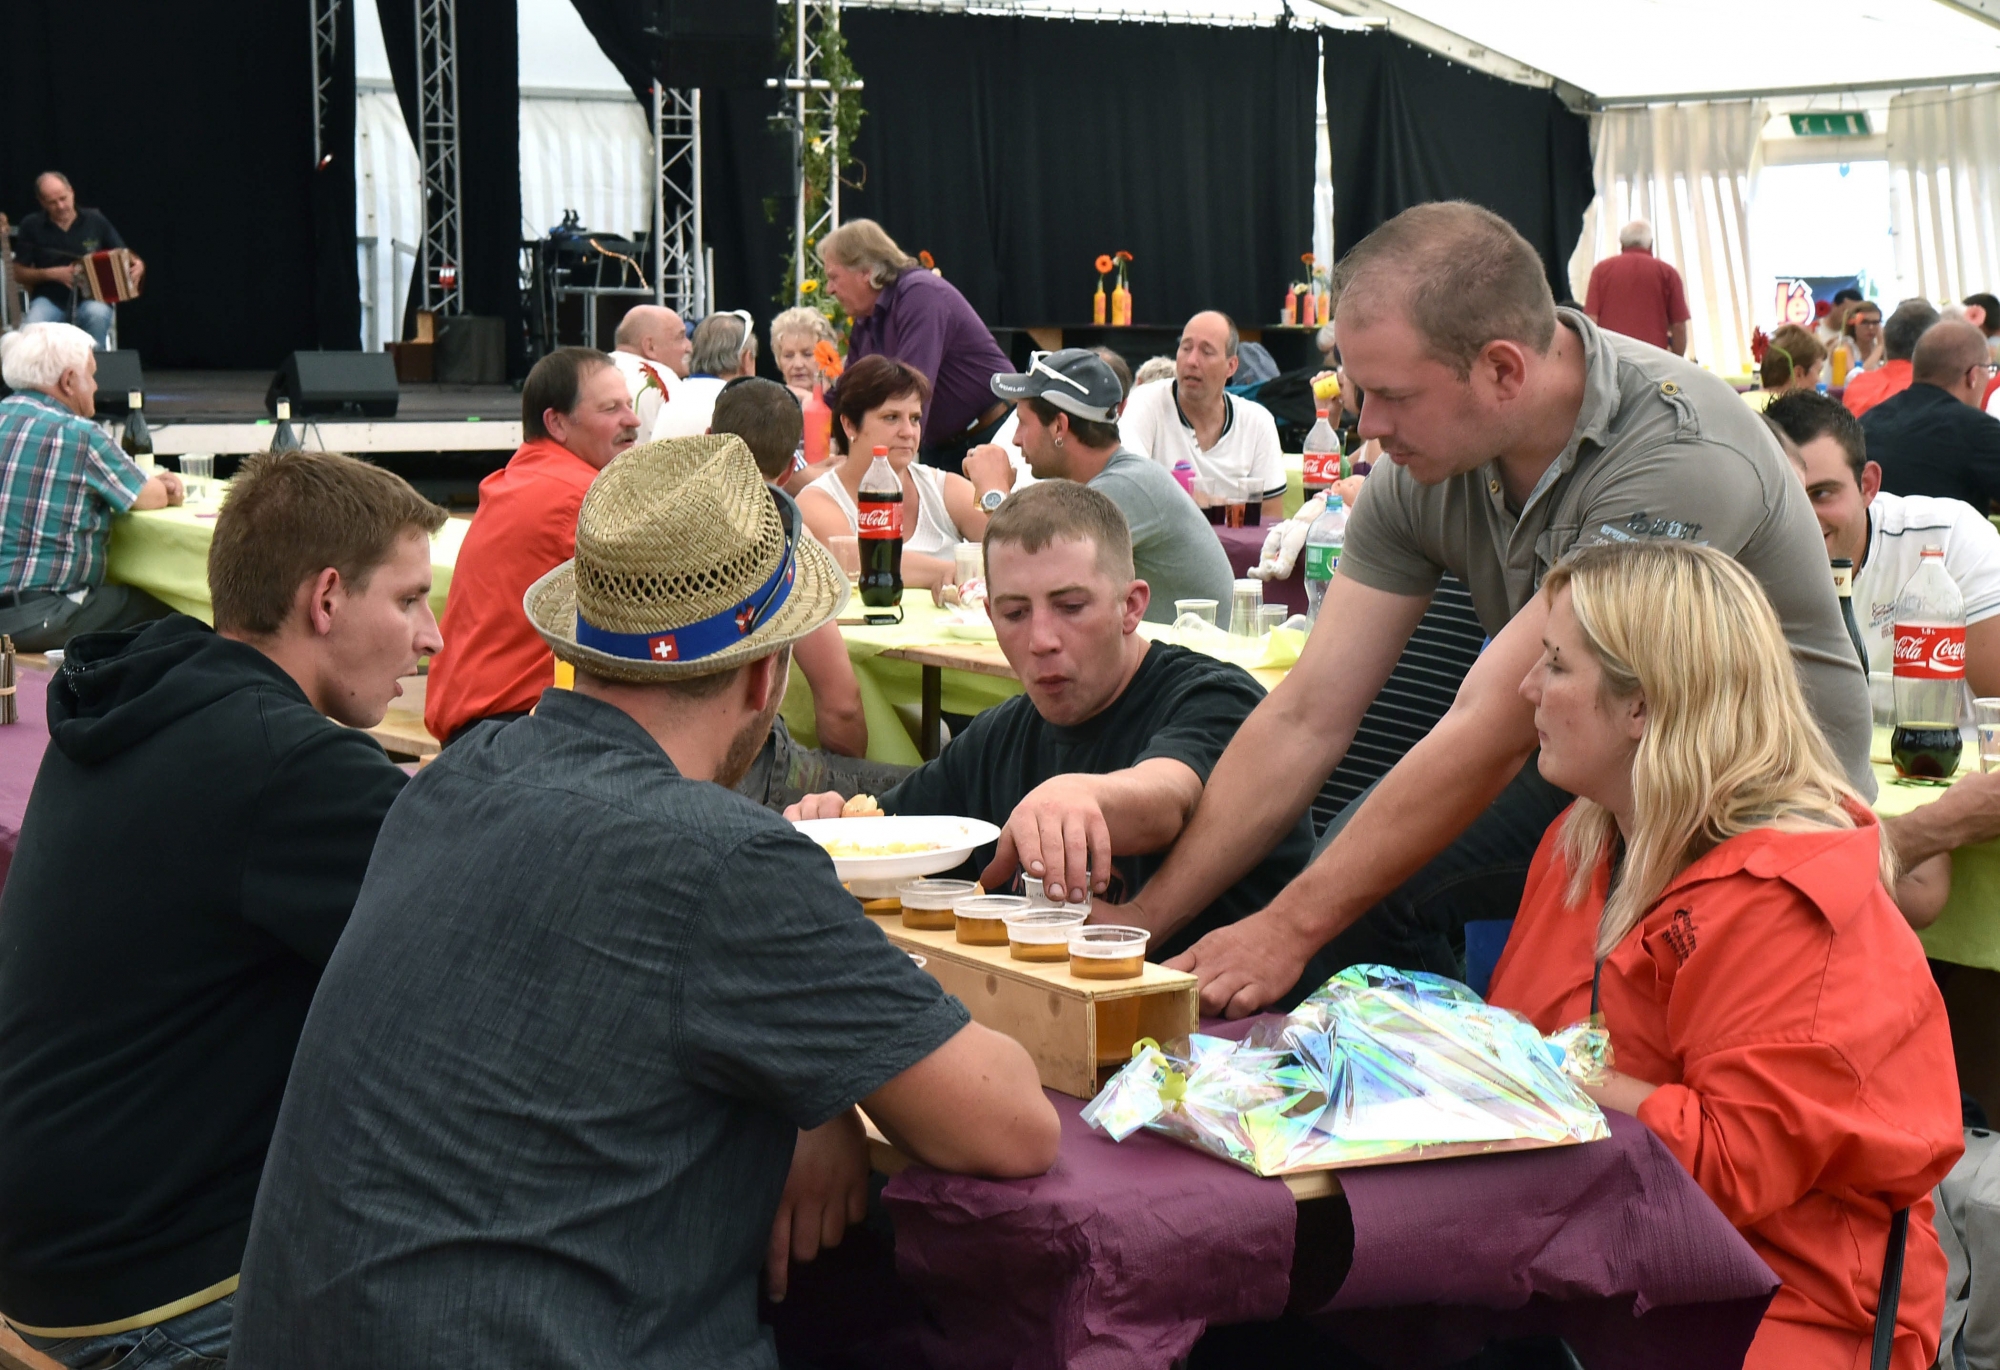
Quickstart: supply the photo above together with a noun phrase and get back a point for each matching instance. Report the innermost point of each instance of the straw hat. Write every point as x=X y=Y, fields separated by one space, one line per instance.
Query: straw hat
x=686 y=564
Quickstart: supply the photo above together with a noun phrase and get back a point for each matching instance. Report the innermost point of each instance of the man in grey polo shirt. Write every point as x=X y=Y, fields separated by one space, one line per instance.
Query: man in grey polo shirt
x=1515 y=431
x=1067 y=406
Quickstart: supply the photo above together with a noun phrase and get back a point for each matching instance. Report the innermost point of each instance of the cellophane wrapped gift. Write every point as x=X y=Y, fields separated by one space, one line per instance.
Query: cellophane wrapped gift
x=1377 y=1065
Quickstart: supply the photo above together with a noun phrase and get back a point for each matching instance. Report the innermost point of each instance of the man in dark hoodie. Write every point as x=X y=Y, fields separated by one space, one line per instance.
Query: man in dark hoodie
x=190 y=855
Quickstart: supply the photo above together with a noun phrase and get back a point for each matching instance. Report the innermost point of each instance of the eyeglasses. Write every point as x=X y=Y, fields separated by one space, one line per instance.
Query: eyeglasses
x=1038 y=364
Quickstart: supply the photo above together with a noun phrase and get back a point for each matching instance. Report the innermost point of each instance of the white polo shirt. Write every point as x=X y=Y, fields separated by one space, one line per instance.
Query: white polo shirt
x=1899 y=528
x=1247 y=453
x=651 y=384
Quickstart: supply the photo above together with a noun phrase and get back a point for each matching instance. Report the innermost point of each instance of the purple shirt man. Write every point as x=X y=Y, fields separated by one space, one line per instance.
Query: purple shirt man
x=918 y=319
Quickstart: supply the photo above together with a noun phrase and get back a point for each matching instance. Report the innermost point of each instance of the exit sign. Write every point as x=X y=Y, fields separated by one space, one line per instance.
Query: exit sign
x=1851 y=123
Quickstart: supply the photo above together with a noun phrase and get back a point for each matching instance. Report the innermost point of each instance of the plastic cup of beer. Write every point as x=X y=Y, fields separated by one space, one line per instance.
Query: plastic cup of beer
x=982 y=919
x=1038 y=897
x=846 y=549
x=927 y=903
x=1108 y=951
x=1986 y=715
x=1203 y=609
x=1042 y=934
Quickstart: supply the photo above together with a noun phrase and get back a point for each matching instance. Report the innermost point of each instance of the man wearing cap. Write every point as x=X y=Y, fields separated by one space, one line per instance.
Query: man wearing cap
x=588 y=1053
x=1066 y=404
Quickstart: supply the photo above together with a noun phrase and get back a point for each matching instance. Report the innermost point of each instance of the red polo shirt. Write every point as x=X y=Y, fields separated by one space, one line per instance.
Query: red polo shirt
x=493 y=660
x=1637 y=294
x=1870 y=388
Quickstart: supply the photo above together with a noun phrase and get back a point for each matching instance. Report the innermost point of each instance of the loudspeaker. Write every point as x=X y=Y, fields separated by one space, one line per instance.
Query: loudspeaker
x=712 y=42
x=361 y=383
x=118 y=375
x=471 y=350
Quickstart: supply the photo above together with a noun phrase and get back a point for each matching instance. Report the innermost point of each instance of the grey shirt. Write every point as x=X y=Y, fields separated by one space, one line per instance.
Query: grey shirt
x=546 y=1098
x=1660 y=449
x=1174 y=548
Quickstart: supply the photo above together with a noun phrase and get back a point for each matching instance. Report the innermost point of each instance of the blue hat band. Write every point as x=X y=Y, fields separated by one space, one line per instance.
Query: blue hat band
x=705 y=637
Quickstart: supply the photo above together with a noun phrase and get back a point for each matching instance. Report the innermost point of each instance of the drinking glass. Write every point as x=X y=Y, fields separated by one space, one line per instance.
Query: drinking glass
x=846 y=549
x=1986 y=715
x=196 y=473
x=968 y=562
x=1203 y=609
x=1270 y=616
x=1245 y=608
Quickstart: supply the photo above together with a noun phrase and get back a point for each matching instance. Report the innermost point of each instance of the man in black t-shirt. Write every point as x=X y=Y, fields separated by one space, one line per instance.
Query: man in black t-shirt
x=48 y=249
x=1093 y=771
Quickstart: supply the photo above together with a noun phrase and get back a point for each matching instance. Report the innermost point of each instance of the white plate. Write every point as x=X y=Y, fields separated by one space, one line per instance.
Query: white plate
x=957 y=838
x=978 y=629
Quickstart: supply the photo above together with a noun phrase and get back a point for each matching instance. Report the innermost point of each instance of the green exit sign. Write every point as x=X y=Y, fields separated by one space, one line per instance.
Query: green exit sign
x=1849 y=123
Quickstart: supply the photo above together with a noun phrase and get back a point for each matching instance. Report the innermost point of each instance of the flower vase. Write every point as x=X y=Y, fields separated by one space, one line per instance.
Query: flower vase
x=1097 y=306
x=818 y=424
x=1121 y=306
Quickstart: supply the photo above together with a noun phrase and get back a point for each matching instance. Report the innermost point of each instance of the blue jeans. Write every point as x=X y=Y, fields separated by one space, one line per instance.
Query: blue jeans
x=193 y=1341
x=92 y=316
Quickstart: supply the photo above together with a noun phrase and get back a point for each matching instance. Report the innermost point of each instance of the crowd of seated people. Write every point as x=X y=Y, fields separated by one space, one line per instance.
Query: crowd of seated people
x=434 y=1067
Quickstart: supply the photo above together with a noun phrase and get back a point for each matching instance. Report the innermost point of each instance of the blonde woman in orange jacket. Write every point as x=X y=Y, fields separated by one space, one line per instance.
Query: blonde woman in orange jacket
x=1718 y=881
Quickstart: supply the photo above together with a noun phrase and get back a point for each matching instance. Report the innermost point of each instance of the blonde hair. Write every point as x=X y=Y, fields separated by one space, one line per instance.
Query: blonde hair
x=863 y=243
x=1729 y=745
x=797 y=320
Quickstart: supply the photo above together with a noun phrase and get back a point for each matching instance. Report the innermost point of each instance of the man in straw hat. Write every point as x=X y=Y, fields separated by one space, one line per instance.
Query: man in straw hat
x=592 y=1005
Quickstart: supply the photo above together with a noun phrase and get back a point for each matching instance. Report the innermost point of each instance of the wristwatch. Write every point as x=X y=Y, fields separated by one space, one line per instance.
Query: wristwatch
x=992 y=500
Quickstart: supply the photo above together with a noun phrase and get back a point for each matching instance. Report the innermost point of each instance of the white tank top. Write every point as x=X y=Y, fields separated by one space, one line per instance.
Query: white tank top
x=932 y=535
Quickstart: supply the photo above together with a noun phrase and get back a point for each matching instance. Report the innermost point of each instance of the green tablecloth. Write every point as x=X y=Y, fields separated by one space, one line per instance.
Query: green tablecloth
x=1967 y=933
x=165 y=553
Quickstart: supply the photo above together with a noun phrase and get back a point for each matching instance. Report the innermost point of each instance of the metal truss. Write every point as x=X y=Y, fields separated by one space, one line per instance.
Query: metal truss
x=679 y=277
x=325 y=57
x=815 y=120
x=442 y=249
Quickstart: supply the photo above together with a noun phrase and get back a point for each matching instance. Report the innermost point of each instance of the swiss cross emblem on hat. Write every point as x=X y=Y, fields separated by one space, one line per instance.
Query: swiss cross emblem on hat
x=746 y=619
x=663 y=647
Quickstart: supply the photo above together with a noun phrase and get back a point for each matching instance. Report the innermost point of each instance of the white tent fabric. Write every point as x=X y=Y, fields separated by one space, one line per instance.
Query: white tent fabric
x=1687 y=170
x=591 y=155
x=1944 y=170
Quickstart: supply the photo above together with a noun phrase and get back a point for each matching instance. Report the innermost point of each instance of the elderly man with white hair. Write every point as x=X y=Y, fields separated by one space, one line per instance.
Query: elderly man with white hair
x=1637 y=294
x=61 y=482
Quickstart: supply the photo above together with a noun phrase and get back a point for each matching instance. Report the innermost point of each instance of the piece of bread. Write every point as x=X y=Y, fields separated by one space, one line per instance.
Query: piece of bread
x=861 y=806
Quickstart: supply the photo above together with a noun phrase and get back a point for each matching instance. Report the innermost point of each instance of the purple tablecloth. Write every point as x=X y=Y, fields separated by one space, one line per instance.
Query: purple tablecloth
x=21 y=748
x=1245 y=545
x=1124 y=1253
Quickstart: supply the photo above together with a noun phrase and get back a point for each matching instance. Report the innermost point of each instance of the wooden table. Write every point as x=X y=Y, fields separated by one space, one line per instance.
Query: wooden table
x=977 y=658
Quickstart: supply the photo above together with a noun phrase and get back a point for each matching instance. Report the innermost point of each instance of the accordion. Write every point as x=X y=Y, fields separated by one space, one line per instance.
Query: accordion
x=107 y=276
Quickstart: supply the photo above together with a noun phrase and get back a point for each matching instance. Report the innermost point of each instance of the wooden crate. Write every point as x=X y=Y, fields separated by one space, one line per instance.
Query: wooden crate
x=1042 y=1006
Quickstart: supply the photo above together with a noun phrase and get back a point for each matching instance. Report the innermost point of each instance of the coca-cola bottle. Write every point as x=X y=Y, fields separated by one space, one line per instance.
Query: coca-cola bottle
x=1930 y=672
x=881 y=535
x=1322 y=456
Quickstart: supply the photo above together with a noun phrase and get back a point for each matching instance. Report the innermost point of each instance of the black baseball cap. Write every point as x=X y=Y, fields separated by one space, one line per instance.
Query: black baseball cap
x=1074 y=380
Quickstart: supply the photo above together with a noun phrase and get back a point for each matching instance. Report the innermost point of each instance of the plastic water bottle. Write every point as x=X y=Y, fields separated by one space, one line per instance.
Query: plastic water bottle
x=1323 y=543
x=1930 y=672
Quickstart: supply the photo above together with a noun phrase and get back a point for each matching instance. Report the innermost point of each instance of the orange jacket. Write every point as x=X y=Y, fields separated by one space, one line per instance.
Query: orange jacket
x=1870 y=388
x=493 y=659
x=1805 y=1072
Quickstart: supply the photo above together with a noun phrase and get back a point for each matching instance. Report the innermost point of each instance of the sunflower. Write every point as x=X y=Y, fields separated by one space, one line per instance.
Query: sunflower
x=807 y=287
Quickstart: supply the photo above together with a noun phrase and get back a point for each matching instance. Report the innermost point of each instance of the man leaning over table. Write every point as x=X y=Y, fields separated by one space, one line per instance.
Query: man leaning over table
x=190 y=854
x=592 y=1006
x=62 y=481
x=576 y=415
x=1093 y=770
x=1884 y=535
x=1515 y=431
x=1066 y=406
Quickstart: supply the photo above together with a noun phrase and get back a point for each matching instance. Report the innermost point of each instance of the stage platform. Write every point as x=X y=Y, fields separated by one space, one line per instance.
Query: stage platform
x=444 y=438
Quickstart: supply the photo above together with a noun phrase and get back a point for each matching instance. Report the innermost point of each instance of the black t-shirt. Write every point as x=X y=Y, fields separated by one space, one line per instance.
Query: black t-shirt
x=1179 y=704
x=41 y=243
x=1929 y=443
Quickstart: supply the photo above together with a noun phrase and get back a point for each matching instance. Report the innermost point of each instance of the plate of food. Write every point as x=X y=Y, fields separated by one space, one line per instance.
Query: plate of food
x=873 y=846
x=970 y=625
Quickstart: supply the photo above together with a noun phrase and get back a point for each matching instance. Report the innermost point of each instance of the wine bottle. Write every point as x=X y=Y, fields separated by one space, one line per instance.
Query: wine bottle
x=1843 y=585
x=137 y=440
x=283 y=439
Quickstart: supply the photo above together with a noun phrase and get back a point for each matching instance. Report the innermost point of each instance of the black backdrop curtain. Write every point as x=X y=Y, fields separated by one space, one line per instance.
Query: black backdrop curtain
x=199 y=150
x=1016 y=150
x=1407 y=126
x=489 y=152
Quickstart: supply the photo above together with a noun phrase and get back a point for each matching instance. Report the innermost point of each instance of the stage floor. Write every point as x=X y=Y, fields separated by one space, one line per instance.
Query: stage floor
x=238 y=396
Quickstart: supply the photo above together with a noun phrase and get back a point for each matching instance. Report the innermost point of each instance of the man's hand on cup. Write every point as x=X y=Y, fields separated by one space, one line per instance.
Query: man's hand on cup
x=175 y=487
x=988 y=467
x=1057 y=834
x=1246 y=965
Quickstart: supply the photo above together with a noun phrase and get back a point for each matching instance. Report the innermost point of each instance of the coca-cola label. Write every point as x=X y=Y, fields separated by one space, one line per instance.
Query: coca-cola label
x=880 y=521
x=1929 y=652
x=1322 y=468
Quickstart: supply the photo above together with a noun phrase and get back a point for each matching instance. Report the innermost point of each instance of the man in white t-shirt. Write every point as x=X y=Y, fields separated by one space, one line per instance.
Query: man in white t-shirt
x=725 y=347
x=1232 y=442
x=652 y=355
x=1884 y=535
